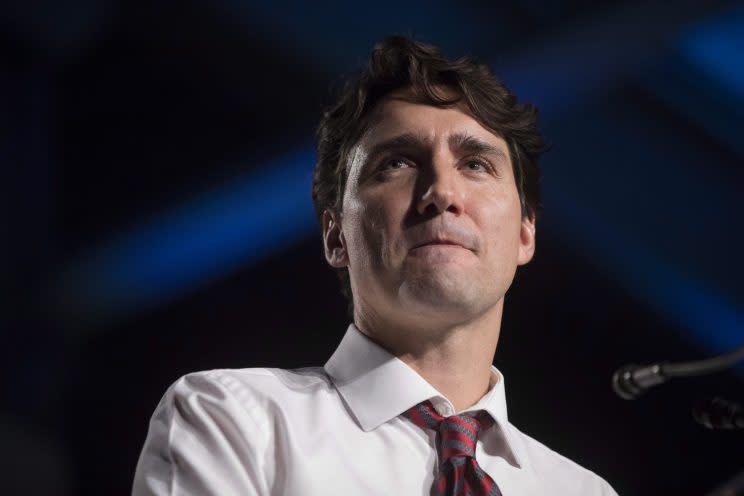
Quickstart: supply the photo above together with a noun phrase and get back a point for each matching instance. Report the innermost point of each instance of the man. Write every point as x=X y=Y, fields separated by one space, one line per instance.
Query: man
x=426 y=190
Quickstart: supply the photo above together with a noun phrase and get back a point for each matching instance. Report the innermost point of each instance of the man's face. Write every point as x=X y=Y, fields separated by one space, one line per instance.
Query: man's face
x=431 y=220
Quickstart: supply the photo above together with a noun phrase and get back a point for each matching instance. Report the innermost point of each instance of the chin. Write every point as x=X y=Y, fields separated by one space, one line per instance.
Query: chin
x=436 y=296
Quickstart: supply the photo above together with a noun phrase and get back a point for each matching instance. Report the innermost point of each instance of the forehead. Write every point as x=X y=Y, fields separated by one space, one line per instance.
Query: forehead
x=396 y=115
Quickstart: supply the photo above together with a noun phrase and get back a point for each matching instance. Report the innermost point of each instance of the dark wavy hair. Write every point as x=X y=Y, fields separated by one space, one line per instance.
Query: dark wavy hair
x=400 y=63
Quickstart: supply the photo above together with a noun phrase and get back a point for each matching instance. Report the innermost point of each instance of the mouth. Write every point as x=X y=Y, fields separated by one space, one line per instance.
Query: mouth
x=439 y=242
x=435 y=243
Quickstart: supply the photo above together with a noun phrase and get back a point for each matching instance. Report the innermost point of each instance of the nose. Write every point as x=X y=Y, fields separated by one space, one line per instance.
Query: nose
x=441 y=189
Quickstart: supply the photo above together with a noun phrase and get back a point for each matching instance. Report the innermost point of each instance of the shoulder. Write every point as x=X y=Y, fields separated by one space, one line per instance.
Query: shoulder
x=248 y=405
x=258 y=378
x=220 y=425
x=559 y=471
x=250 y=387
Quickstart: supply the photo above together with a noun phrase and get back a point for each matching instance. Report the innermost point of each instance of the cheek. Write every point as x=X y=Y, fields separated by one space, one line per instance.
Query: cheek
x=364 y=231
x=501 y=228
x=380 y=230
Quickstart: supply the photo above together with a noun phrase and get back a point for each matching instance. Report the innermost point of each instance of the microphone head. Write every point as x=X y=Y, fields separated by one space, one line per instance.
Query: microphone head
x=632 y=380
x=624 y=384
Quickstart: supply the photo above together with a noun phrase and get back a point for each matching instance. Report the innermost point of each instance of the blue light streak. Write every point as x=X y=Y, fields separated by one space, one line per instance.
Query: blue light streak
x=716 y=49
x=189 y=246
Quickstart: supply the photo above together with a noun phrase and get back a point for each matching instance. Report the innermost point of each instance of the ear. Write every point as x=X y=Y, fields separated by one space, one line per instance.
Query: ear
x=334 y=244
x=526 y=240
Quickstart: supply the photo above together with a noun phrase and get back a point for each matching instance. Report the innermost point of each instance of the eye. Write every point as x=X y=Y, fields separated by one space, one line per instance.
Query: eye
x=476 y=165
x=395 y=164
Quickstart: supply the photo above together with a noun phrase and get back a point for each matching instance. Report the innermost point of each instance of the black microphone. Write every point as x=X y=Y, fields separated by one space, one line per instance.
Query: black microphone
x=718 y=413
x=632 y=380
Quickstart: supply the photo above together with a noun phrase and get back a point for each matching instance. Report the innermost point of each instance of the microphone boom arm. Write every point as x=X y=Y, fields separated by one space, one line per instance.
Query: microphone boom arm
x=631 y=380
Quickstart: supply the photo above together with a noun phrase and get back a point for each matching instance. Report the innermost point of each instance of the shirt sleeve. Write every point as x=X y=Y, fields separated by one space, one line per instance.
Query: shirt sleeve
x=201 y=441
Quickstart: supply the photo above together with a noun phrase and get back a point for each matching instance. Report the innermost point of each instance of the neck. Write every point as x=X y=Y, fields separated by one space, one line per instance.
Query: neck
x=454 y=358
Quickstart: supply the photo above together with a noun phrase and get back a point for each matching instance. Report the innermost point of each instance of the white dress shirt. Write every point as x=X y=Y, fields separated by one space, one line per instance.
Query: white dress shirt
x=336 y=430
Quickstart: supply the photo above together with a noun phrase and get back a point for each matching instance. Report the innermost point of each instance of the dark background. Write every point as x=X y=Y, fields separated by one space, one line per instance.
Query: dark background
x=156 y=160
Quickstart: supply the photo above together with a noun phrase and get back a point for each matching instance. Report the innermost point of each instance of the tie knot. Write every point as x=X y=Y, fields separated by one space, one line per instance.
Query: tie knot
x=458 y=434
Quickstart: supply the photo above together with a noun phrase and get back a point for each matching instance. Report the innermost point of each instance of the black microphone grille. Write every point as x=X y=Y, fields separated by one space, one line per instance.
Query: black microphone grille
x=623 y=383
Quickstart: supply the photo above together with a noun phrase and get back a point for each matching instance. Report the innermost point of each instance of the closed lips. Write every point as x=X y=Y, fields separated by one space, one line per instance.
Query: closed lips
x=440 y=242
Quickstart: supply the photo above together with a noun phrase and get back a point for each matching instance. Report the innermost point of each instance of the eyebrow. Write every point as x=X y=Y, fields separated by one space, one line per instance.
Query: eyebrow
x=470 y=144
x=461 y=142
x=406 y=141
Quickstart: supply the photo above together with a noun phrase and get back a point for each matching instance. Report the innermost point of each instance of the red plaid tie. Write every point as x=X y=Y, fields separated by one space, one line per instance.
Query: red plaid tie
x=459 y=472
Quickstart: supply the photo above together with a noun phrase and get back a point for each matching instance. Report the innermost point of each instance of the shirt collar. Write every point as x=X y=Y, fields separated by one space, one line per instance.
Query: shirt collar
x=377 y=386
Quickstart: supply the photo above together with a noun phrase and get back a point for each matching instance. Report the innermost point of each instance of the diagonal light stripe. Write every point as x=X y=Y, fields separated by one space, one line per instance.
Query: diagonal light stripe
x=716 y=48
x=186 y=247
